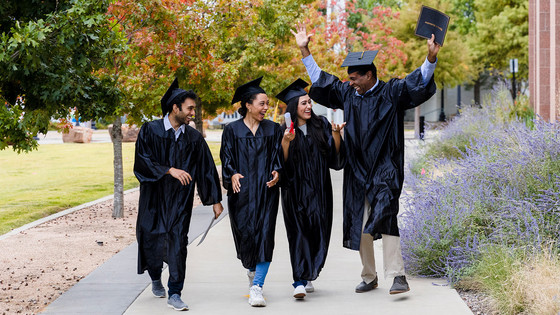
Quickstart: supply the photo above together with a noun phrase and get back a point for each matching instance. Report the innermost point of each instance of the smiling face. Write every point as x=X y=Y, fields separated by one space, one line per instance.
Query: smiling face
x=304 y=109
x=361 y=83
x=186 y=113
x=257 y=109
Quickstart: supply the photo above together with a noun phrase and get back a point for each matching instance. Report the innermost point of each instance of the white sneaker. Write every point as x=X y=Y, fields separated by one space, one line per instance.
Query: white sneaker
x=251 y=276
x=299 y=292
x=256 y=297
x=309 y=287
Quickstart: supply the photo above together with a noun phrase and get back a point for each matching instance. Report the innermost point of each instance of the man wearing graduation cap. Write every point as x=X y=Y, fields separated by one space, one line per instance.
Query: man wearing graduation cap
x=170 y=158
x=374 y=139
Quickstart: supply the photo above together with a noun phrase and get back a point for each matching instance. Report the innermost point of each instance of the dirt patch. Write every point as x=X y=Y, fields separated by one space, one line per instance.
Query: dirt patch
x=39 y=264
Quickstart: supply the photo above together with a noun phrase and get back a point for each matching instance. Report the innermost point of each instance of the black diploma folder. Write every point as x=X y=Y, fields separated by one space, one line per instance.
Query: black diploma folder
x=432 y=21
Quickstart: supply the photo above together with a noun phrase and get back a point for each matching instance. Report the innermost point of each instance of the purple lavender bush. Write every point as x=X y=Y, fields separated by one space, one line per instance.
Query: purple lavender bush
x=503 y=190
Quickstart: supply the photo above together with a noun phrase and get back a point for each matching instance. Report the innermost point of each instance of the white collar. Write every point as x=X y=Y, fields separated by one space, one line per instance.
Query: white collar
x=376 y=83
x=167 y=125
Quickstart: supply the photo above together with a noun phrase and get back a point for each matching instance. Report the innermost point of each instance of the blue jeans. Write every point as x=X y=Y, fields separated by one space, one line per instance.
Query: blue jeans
x=260 y=273
x=299 y=282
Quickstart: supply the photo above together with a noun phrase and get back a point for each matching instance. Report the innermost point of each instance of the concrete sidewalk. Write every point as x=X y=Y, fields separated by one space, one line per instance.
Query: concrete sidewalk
x=216 y=282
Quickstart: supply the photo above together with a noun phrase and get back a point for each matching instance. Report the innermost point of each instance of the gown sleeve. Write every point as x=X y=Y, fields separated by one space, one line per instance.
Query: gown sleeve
x=146 y=168
x=227 y=157
x=278 y=154
x=207 y=181
x=335 y=161
x=410 y=91
x=328 y=91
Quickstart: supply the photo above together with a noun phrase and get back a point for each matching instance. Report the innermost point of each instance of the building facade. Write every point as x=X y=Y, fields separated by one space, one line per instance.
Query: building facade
x=544 y=58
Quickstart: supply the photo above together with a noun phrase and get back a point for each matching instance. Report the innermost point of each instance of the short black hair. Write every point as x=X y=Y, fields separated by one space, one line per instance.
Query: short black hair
x=362 y=70
x=181 y=99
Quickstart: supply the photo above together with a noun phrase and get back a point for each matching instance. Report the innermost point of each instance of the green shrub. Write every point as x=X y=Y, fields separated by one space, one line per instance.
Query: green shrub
x=494 y=273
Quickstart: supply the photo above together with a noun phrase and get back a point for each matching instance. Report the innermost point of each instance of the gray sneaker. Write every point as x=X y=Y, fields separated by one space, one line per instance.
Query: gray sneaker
x=176 y=303
x=251 y=276
x=309 y=287
x=399 y=285
x=365 y=287
x=157 y=289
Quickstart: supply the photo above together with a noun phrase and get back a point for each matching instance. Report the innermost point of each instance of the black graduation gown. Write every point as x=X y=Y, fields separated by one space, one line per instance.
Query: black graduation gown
x=307 y=201
x=253 y=210
x=374 y=140
x=165 y=206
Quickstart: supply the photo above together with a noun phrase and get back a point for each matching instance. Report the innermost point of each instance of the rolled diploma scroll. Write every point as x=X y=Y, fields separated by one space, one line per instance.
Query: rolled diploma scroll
x=289 y=122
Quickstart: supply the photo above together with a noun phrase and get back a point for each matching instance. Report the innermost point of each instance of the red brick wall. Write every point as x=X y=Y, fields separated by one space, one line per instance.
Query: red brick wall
x=544 y=57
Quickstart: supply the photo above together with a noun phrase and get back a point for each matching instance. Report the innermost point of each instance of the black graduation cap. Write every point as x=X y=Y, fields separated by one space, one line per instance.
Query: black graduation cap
x=296 y=89
x=362 y=58
x=169 y=98
x=249 y=88
x=432 y=21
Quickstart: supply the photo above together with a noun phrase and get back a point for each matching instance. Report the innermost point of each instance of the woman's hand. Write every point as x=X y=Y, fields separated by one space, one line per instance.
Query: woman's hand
x=275 y=177
x=338 y=127
x=236 y=183
x=288 y=136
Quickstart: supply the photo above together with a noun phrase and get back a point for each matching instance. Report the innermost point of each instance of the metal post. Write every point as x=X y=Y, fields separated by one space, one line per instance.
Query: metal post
x=442 y=112
x=421 y=133
x=458 y=99
x=513 y=68
x=514 y=87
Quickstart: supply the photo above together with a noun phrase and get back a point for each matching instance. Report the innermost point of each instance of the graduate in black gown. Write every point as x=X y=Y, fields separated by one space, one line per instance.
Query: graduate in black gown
x=374 y=138
x=310 y=149
x=170 y=158
x=251 y=163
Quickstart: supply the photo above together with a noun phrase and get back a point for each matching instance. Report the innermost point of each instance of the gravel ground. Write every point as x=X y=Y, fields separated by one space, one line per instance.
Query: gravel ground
x=479 y=303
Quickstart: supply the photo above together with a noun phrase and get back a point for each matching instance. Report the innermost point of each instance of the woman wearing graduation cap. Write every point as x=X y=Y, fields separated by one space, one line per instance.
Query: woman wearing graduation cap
x=310 y=148
x=251 y=162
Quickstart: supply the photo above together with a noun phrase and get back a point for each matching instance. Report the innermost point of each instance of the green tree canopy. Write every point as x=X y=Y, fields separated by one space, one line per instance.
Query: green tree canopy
x=48 y=54
x=455 y=59
x=501 y=34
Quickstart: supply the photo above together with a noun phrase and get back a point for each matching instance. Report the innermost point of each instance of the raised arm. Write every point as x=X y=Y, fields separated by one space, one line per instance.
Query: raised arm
x=418 y=86
x=302 y=39
x=433 y=49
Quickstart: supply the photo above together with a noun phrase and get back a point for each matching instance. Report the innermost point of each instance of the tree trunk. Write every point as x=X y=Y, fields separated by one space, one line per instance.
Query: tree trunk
x=116 y=137
x=417 y=122
x=477 y=85
x=198 y=117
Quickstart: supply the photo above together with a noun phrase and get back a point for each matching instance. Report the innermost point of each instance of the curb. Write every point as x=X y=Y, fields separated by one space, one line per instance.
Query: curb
x=60 y=214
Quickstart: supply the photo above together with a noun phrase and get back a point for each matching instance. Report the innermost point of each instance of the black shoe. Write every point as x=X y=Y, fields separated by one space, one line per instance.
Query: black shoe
x=157 y=289
x=364 y=287
x=399 y=285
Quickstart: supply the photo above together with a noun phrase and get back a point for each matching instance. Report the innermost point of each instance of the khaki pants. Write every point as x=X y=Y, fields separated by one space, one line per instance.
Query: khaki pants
x=393 y=264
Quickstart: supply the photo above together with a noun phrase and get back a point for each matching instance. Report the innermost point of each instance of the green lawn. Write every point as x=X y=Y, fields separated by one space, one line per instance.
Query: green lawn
x=59 y=176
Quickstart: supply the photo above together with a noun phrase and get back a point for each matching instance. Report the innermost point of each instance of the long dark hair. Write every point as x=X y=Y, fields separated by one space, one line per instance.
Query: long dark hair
x=314 y=125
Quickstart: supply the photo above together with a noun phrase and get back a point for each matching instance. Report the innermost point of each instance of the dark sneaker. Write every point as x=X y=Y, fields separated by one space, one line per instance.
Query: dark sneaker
x=157 y=289
x=176 y=303
x=399 y=285
x=364 y=287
